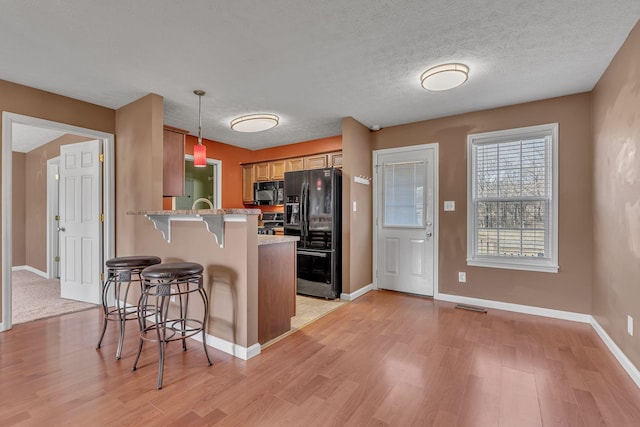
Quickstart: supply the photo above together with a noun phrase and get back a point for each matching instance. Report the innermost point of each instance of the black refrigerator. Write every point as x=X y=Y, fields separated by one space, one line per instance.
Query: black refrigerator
x=312 y=211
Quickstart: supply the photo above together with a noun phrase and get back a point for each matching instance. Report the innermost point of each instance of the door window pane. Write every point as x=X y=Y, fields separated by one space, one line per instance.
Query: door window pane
x=403 y=194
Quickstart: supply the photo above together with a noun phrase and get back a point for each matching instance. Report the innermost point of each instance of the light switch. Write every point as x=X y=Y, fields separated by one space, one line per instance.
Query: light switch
x=354 y=206
x=449 y=205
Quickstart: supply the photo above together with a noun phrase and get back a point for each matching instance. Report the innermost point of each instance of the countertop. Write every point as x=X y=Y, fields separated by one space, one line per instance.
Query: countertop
x=199 y=212
x=269 y=239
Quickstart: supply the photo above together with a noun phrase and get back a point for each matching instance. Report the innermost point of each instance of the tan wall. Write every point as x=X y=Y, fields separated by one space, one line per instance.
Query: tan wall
x=616 y=204
x=19 y=201
x=356 y=226
x=138 y=176
x=24 y=100
x=36 y=202
x=570 y=289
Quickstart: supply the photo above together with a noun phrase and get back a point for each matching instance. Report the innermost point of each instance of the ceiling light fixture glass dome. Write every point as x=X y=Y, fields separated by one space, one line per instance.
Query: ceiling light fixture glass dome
x=444 y=77
x=255 y=122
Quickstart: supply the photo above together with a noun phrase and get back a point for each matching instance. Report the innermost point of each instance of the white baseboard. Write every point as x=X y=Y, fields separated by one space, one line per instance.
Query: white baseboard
x=31 y=269
x=517 y=308
x=357 y=294
x=627 y=365
x=244 y=353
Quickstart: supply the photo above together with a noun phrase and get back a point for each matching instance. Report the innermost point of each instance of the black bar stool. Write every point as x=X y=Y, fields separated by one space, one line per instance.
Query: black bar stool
x=122 y=270
x=165 y=284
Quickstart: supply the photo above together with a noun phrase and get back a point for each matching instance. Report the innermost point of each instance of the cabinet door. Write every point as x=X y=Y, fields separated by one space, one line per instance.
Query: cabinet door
x=276 y=170
x=296 y=164
x=318 y=161
x=261 y=171
x=335 y=160
x=247 y=184
x=173 y=164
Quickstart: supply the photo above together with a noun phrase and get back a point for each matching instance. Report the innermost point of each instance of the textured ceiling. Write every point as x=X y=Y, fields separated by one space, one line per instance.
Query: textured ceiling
x=310 y=62
x=26 y=138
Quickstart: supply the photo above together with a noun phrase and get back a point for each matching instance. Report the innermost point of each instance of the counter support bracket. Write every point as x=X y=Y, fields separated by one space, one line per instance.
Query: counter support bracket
x=161 y=223
x=214 y=224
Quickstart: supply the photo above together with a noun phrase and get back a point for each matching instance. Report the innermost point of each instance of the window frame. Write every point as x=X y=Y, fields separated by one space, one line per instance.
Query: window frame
x=547 y=264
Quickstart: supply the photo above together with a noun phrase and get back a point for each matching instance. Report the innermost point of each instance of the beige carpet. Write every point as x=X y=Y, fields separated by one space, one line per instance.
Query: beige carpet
x=34 y=297
x=308 y=310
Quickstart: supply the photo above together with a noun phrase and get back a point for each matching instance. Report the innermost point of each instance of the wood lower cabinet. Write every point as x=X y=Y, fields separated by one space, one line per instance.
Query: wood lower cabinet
x=247 y=184
x=276 y=289
x=173 y=163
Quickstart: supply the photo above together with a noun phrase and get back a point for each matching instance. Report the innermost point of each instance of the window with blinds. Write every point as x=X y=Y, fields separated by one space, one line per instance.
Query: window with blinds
x=512 y=206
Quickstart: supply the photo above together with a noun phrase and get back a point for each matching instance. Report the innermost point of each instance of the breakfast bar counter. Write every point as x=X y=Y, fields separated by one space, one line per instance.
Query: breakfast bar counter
x=250 y=278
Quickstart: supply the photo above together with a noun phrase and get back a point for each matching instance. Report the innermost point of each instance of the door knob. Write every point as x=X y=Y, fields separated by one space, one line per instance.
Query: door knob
x=429 y=234
x=61 y=228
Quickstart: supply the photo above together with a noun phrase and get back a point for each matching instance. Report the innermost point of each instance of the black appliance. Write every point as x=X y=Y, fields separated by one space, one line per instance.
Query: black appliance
x=268 y=193
x=271 y=220
x=312 y=211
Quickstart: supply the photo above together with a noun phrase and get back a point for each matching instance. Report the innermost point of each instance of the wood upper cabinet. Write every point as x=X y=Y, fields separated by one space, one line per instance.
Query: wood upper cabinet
x=276 y=170
x=335 y=160
x=261 y=171
x=317 y=161
x=296 y=164
x=247 y=184
x=173 y=163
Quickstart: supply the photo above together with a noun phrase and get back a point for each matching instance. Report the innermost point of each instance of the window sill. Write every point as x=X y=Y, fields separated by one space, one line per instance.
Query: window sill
x=548 y=267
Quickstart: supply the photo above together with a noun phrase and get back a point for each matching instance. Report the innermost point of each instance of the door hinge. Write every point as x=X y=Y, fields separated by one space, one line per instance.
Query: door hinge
x=57 y=177
x=101 y=217
x=57 y=217
x=101 y=277
x=101 y=158
x=57 y=258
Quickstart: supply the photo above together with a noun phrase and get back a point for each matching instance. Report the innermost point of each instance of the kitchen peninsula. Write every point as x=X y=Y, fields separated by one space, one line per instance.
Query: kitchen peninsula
x=250 y=279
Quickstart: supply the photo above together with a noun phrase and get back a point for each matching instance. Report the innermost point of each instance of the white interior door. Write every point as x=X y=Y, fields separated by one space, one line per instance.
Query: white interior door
x=80 y=225
x=405 y=224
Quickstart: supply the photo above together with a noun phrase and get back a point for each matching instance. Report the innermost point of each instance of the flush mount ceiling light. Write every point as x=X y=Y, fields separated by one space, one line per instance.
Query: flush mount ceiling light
x=255 y=122
x=444 y=77
x=199 y=150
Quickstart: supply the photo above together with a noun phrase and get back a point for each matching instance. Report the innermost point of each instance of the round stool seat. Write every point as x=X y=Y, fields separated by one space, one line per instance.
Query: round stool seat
x=172 y=271
x=132 y=261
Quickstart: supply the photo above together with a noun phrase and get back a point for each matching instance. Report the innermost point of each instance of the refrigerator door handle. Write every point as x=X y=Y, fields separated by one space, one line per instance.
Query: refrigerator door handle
x=303 y=208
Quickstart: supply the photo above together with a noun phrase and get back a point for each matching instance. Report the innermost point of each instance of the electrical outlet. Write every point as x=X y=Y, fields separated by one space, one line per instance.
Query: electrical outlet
x=630 y=325
x=462 y=277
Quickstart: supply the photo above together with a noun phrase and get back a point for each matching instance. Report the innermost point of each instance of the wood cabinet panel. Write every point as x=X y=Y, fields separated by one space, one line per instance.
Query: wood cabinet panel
x=173 y=164
x=247 y=184
x=318 y=161
x=335 y=160
x=296 y=164
x=276 y=170
x=276 y=289
x=261 y=171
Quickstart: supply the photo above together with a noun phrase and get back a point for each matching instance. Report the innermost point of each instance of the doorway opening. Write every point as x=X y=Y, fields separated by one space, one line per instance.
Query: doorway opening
x=12 y=125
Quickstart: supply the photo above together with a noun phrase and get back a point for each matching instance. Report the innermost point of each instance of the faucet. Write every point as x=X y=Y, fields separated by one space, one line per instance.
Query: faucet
x=202 y=199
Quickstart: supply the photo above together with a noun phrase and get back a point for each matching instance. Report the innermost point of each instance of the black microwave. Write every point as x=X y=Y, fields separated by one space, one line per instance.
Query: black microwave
x=268 y=193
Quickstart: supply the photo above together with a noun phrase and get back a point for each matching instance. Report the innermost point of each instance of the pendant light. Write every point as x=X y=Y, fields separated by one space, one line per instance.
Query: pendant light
x=199 y=150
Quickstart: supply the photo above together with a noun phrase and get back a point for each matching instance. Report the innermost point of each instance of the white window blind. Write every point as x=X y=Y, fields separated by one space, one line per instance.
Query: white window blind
x=403 y=194
x=512 y=212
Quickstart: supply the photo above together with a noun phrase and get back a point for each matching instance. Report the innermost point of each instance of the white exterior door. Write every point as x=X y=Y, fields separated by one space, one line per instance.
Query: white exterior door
x=80 y=225
x=406 y=195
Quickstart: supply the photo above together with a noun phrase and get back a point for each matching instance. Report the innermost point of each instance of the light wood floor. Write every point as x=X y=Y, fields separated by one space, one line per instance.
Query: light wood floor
x=384 y=359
